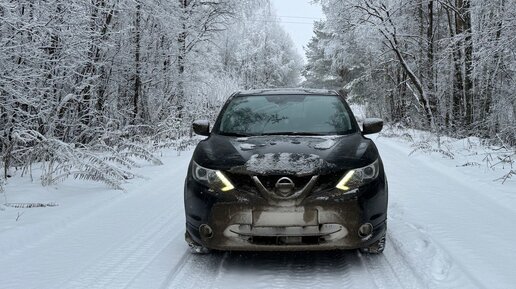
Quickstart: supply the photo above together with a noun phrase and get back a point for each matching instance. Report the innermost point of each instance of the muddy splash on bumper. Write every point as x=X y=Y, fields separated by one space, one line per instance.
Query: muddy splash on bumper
x=294 y=228
x=319 y=221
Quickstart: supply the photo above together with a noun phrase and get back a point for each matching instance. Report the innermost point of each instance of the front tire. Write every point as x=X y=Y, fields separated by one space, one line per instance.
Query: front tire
x=195 y=248
x=375 y=248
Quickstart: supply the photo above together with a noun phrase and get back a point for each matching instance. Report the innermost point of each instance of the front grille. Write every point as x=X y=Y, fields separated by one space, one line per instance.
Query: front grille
x=239 y=180
x=245 y=182
x=242 y=182
x=269 y=182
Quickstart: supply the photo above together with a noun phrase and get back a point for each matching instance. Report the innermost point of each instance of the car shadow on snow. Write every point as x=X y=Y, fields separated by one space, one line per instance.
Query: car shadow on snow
x=283 y=262
x=303 y=269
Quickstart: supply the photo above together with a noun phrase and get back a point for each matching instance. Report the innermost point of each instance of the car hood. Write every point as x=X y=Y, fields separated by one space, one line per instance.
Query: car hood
x=286 y=155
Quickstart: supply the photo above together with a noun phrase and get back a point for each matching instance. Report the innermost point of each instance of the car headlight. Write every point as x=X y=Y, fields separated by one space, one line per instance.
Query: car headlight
x=358 y=177
x=211 y=178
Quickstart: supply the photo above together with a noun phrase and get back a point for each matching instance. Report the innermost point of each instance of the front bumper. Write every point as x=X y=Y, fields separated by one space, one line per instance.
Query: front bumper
x=247 y=222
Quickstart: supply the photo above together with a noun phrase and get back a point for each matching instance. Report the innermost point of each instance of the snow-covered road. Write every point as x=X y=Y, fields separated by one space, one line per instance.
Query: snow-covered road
x=446 y=230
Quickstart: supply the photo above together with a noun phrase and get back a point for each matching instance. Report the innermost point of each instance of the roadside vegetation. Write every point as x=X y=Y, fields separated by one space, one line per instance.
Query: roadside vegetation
x=88 y=86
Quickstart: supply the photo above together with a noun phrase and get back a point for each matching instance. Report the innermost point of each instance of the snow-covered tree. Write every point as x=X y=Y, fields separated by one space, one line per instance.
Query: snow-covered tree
x=258 y=51
x=444 y=65
x=87 y=85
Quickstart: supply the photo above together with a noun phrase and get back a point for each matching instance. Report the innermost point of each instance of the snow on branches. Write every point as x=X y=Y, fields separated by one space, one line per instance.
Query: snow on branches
x=88 y=86
x=447 y=66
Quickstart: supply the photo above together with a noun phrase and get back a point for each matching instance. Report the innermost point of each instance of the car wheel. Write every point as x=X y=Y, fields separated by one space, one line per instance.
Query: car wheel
x=375 y=248
x=195 y=247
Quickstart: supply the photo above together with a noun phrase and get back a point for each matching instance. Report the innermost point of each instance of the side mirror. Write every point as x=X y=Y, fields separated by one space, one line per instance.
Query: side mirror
x=372 y=125
x=201 y=127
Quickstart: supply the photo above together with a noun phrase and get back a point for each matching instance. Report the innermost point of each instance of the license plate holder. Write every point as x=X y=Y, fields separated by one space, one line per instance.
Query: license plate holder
x=285 y=218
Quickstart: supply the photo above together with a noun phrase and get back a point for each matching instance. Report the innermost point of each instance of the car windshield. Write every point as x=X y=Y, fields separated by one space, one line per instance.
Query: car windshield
x=286 y=115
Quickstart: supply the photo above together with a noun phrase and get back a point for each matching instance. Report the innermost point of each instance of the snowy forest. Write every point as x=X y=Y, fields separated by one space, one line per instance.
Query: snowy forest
x=87 y=86
x=446 y=65
x=112 y=177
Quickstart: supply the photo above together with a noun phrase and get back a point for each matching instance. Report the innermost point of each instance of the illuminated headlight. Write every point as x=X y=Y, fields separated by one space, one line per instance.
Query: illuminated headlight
x=359 y=177
x=211 y=178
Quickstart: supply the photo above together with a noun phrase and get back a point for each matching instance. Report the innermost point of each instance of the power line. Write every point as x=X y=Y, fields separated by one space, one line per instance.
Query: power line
x=294 y=17
x=300 y=17
x=280 y=21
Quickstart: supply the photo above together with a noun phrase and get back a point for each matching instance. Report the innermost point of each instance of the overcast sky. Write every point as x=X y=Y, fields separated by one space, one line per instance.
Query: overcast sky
x=297 y=17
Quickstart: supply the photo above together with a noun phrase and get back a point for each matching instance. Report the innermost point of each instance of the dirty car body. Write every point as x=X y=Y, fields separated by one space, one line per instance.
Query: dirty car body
x=286 y=169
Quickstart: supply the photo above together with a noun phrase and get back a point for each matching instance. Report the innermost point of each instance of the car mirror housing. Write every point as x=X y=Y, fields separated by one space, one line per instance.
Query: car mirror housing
x=201 y=127
x=372 y=125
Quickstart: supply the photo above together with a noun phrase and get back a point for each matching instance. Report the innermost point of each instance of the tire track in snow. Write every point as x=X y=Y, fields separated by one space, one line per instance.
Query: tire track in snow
x=121 y=263
x=176 y=269
x=388 y=270
x=445 y=252
x=436 y=266
x=327 y=269
x=142 y=278
x=330 y=269
x=125 y=235
x=194 y=271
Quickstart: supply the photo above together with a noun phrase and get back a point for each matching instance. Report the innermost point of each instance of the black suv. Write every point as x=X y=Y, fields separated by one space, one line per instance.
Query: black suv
x=286 y=169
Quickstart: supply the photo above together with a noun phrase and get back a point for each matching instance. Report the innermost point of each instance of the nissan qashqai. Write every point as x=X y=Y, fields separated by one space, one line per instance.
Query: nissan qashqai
x=286 y=169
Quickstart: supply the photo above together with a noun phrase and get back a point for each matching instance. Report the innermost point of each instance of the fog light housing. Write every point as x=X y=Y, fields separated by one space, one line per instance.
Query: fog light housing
x=365 y=230
x=206 y=231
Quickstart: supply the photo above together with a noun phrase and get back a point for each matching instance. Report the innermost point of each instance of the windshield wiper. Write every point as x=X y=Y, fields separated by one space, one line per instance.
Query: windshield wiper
x=234 y=134
x=294 y=133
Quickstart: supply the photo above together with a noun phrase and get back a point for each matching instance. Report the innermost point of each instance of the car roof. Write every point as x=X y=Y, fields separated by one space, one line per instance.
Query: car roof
x=286 y=91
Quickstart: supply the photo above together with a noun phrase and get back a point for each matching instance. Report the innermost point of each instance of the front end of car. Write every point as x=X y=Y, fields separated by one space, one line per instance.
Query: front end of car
x=284 y=170
x=228 y=209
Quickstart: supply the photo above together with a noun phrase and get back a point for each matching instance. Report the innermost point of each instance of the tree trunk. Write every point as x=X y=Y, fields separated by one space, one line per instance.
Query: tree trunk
x=101 y=97
x=468 y=62
x=137 y=66
x=432 y=98
x=463 y=58
x=181 y=58
x=423 y=95
x=456 y=29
